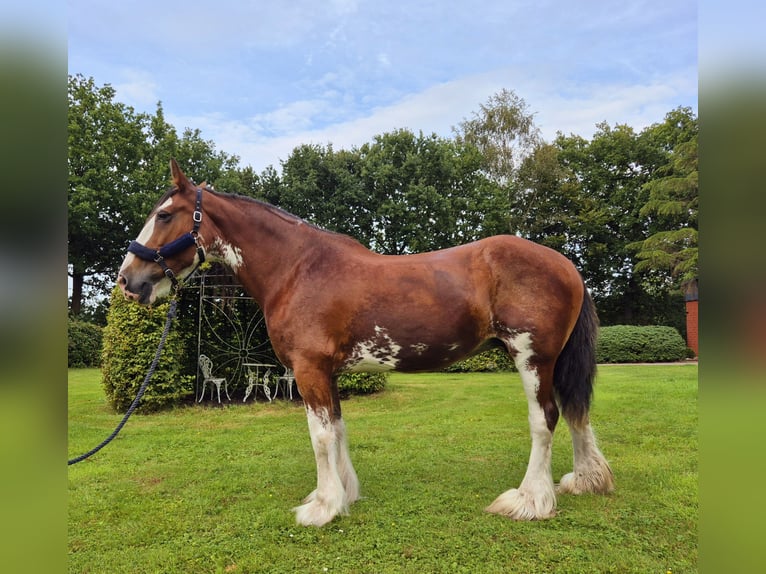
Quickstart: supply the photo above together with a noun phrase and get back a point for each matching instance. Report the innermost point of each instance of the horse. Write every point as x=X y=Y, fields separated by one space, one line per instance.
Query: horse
x=332 y=306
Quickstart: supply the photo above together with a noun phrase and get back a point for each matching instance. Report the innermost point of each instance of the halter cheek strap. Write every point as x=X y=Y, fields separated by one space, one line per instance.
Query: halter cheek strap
x=174 y=247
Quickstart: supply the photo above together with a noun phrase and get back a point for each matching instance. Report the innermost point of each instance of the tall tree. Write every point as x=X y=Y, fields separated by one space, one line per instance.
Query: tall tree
x=670 y=253
x=597 y=201
x=106 y=149
x=400 y=193
x=428 y=193
x=605 y=176
x=322 y=186
x=504 y=131
x=118 y=166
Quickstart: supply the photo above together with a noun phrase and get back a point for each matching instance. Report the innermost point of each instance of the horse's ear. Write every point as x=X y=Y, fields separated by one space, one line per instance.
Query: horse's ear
x=179 y=177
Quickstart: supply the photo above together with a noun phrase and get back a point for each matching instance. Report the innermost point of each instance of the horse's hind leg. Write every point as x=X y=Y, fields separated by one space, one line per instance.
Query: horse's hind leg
x=591 y=470
x=337 y=483
x=536 y=497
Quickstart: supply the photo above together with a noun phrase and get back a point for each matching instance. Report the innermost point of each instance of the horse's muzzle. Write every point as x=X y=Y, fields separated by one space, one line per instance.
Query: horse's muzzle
x=140 y=292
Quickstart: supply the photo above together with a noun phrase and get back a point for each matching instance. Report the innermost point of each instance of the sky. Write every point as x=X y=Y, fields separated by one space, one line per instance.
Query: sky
x=259 y=78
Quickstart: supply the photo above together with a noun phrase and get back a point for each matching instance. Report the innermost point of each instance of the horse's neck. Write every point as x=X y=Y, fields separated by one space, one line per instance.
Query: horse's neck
x=260 y=245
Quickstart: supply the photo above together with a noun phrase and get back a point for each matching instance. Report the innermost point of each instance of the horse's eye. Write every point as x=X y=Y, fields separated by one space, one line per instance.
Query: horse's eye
x=163 y=216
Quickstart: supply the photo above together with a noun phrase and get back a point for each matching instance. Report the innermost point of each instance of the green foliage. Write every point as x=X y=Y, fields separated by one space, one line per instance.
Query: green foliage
x=431 y=452
x=491 y=361
x=401 y=193
x=673 y=200
x=84 y=344
x=636 y=344
x=131 y=337
x=361 y=383
x=118 y=167
x=504 y=131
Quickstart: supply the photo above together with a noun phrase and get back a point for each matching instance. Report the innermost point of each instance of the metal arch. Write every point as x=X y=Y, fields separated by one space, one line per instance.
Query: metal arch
x=231 y=329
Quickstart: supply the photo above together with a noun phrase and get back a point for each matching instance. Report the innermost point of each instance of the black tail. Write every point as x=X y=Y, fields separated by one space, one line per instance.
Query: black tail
x=576 y=366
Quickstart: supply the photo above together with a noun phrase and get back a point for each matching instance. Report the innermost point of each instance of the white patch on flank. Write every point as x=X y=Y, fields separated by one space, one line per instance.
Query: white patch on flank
x=454 y=347
x=419 y=348
x=374 y=355
x=229 y=254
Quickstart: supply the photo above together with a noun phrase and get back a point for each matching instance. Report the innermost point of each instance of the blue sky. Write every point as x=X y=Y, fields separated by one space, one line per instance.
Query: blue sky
x=259 y=78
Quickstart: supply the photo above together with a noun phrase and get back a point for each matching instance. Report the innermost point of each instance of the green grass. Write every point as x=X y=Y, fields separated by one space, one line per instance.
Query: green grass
x=210 y=489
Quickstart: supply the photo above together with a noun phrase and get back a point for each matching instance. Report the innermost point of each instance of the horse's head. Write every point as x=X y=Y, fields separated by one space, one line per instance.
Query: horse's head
x=167 y=245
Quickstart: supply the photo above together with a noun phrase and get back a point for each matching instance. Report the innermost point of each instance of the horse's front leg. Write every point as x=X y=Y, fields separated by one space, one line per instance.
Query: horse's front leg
x=535 y=498
x=337 y=483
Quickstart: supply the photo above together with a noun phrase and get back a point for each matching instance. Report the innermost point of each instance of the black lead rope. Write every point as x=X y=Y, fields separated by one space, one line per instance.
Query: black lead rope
x=134 y=405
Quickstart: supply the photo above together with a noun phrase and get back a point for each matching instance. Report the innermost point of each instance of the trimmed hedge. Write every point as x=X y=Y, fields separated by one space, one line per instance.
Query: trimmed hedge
x=492 y=361
x=616 y=344
x=361 y=383
x=637 y=344
x=131 y=336
x=85 y=341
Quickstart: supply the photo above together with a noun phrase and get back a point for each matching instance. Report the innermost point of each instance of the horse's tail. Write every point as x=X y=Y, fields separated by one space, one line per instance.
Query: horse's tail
x=576 y=365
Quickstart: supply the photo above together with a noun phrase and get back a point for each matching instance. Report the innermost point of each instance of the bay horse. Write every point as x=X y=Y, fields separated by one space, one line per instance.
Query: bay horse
x=333 y=306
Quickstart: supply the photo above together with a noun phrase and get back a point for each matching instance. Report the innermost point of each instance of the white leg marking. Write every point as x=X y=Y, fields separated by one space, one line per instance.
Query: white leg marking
x=536 y=497
x=329 y=498
x=591 y=470
x=345 y=468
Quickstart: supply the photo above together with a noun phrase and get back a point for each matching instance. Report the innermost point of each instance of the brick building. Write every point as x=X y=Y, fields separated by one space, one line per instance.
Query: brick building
x=691 y=296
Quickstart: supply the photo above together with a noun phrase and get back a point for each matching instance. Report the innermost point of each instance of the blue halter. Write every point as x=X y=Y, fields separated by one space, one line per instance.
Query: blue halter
x=174 y=247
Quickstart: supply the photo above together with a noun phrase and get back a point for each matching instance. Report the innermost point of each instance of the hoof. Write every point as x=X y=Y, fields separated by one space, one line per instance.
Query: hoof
x=314 y=513
x=597 y=480
x=519 y=505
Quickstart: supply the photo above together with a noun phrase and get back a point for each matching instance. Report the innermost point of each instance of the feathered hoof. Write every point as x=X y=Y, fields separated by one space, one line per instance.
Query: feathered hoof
x=597 y=480
x=315 y=513
x=519 y=505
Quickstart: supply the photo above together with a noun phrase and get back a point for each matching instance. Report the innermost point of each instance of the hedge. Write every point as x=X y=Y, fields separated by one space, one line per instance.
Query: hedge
x=84 y=344
x=131 y=336
x=640 y=344
x=490 y=361
x=361 y=383
x=616 y=344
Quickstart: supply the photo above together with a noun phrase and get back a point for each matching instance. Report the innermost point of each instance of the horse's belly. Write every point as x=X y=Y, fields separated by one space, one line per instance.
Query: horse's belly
x=385 y=352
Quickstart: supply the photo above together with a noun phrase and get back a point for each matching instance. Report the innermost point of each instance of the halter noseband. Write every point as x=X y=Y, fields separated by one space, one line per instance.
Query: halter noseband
x=174 y=247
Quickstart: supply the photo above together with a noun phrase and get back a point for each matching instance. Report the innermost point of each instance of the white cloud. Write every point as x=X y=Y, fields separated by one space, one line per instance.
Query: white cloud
x=137 y=89
x=268 y=138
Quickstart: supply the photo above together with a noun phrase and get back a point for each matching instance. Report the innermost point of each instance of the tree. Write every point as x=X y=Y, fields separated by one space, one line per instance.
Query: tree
x=323 y=186
x=427 y=193
x=118 y=167
x=598 y=201
x=671 y=252
x=400 y=193
x=608 y=173
x=548 y=205
x=106 y=149
x=504 y=132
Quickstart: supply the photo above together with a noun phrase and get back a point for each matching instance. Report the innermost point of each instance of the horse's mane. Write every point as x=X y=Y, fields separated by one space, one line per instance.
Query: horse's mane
x=282 y=214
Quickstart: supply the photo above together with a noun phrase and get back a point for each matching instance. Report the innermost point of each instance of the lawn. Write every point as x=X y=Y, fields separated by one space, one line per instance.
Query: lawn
x=209 y=489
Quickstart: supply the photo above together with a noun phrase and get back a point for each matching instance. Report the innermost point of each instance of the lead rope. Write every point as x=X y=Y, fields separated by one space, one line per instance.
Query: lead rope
x=141 y=390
